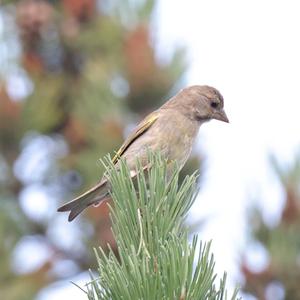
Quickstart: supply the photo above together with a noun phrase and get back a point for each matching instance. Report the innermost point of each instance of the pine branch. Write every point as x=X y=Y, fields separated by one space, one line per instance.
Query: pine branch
x=155 y=259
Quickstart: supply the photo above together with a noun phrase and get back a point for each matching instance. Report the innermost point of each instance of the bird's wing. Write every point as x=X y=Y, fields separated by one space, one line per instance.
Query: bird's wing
x=142 y=128
x=100 y=191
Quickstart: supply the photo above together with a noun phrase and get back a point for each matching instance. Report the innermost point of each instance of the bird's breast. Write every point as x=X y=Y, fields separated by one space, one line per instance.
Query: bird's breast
x=173 y=135
x=177 y=135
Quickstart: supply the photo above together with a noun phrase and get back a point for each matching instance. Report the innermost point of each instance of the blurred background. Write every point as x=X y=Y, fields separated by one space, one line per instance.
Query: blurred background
x=75 y=78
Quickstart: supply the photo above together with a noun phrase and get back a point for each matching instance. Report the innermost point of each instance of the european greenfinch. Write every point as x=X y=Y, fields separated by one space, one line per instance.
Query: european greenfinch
x=171 y=130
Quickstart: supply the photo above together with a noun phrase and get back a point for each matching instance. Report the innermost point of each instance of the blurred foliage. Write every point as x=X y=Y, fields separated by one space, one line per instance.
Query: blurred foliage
x=281 y=276
x=78 y=75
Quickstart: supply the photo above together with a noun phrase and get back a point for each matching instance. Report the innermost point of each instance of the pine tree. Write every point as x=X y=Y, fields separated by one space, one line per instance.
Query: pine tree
x=155 y=259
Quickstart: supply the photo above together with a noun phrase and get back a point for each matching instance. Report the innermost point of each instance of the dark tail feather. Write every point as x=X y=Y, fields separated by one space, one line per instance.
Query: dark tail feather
x=95 y=195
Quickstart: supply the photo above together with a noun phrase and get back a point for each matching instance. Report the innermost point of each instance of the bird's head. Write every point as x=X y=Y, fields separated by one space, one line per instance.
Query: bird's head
x=201 y=103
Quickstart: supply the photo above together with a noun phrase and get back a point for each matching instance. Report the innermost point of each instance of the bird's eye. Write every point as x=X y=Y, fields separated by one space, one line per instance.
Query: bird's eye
x=214 y=104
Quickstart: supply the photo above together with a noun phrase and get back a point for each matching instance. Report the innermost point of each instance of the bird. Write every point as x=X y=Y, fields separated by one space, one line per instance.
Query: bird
x=171 y=130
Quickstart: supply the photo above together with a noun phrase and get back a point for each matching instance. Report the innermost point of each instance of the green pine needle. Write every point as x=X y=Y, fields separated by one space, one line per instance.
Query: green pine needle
x=155 y=259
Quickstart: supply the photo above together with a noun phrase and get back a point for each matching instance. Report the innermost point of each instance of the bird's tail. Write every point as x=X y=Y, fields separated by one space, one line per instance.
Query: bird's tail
x=93 y=196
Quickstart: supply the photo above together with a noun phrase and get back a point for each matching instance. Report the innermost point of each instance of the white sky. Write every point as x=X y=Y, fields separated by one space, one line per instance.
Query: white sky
x=250 y=51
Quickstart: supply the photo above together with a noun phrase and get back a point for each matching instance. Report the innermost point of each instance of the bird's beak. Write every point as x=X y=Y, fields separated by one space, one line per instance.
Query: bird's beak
x=221 y=116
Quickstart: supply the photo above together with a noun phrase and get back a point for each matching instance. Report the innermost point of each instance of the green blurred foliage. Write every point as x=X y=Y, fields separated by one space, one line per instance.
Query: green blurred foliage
x=281 y=241
x=92 y=69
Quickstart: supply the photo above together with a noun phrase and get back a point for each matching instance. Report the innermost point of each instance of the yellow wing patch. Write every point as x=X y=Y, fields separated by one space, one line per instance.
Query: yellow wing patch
x=142 y=128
